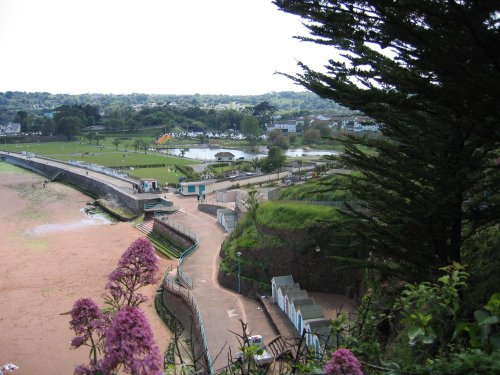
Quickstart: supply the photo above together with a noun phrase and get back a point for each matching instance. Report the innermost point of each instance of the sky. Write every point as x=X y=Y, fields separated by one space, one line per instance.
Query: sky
x=231 y=47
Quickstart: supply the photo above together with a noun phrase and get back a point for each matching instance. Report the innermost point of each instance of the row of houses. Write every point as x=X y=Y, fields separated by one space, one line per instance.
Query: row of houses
x=306 y=316
x=10 y=129
x=350 y=125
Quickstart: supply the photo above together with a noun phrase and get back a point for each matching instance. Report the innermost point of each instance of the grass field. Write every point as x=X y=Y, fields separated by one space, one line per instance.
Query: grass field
x=108 y=156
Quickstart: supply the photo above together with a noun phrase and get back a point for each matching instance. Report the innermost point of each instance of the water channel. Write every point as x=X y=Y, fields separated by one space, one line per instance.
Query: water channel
x=209 y=153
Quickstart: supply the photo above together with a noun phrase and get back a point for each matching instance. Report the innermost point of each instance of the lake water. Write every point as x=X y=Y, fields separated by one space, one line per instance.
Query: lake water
x=209 y=153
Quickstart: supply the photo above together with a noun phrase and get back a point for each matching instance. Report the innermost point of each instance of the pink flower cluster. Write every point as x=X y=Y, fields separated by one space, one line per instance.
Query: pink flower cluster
x=86 y=318
x=136 y=268
x=129 y=341
x=343 y=362
x=122 y=334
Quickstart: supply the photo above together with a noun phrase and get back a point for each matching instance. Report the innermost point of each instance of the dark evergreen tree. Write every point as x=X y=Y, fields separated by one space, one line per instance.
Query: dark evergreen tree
x=429 y=71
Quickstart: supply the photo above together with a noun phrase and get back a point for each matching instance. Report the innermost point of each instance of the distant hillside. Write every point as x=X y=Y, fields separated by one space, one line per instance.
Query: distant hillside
x=12 y=101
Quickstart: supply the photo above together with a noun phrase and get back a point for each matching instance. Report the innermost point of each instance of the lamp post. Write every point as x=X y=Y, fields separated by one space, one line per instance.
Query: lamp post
x=238 y=254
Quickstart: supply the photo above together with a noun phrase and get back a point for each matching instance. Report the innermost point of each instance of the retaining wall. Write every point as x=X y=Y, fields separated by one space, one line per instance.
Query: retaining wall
x=97 y=188
x=174 y=236
x=179 y=303
x=210 y=209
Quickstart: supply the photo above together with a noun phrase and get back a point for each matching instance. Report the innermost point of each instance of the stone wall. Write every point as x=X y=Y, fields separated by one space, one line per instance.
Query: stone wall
x=180 y=306
x=247 y=287
x=94 y=187
x=179 y=239
x=210 y=209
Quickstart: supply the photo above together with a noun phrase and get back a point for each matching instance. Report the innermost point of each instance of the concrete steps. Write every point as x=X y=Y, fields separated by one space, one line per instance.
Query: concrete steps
x=161 y=244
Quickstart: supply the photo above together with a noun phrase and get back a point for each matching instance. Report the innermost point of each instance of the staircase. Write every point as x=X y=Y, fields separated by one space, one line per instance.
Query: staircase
x=146 y=227
x=161 y=244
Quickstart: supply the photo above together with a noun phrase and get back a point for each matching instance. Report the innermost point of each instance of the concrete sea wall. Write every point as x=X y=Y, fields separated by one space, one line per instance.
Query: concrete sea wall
x=97 y=188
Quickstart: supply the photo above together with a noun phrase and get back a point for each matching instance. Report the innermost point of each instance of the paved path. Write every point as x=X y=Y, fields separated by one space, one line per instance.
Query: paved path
x=221 y=309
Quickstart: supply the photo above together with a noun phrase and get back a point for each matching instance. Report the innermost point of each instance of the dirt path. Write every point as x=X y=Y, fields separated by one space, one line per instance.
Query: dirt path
x=52 y=254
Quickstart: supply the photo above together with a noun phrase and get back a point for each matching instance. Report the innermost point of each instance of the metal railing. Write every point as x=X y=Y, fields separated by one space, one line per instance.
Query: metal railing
x=181 y=275
x=173 y=286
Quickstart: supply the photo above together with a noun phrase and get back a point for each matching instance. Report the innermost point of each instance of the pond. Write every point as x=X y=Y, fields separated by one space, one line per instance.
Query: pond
x=209 y=153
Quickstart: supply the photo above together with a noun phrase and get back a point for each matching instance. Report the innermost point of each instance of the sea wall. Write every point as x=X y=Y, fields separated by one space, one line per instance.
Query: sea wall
x=96 y=188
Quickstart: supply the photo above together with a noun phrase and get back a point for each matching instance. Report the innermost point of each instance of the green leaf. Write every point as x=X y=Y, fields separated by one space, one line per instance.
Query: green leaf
x=495 y=342
x=483 y=317
x=414 y=332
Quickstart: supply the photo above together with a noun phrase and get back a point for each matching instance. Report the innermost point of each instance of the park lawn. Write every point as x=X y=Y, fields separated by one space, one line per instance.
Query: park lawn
x=161 y=174
x=93 y=154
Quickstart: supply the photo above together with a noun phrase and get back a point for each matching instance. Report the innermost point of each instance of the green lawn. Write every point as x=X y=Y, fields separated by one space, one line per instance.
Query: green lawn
x=290 y=216
x=108 y=156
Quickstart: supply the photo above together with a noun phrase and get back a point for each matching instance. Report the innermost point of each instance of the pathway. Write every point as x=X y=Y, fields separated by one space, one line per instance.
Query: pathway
x=221 y=309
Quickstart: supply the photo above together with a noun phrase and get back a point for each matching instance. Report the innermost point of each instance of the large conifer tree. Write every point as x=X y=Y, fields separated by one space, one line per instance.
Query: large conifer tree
x=429 y=72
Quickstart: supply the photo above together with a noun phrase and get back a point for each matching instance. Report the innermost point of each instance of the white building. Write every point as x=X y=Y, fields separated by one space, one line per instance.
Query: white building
x=224 y=156
x=10 y=128
x=284 y=127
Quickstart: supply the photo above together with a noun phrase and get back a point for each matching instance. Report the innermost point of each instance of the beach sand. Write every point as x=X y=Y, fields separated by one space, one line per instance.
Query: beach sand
x=51 y=254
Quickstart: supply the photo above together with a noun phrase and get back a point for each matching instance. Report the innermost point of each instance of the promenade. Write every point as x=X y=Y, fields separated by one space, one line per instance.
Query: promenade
x=221 y=309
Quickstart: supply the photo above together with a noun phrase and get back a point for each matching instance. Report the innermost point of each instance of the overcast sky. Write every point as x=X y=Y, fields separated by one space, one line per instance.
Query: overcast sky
x=151 y=46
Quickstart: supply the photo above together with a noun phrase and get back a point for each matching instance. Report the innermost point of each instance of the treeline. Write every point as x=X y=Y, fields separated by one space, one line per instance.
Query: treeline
x=43 y=102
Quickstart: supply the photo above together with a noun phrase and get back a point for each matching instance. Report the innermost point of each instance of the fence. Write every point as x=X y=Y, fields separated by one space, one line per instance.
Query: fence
x=175 y=287
x=181 y=275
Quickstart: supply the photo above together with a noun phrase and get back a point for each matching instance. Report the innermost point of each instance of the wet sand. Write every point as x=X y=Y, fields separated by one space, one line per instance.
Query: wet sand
x=51 y=254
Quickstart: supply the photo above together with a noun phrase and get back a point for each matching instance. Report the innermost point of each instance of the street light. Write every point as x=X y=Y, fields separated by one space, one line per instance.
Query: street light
x=238 y=254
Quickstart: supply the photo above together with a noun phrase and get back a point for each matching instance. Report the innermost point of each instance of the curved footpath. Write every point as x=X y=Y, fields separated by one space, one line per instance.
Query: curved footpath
x=221 y=309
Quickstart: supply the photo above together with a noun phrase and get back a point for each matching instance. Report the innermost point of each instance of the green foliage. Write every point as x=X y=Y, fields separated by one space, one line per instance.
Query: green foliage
x=429 y=309
x=253 y=203
x=484 y=332
x=186 y=170
x=326 y=189
x=274 y=161
x=290 y=216
x=473 y=362
x=430 y=185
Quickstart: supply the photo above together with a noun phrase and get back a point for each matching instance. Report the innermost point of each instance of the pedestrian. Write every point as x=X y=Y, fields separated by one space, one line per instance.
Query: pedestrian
x=198 y=196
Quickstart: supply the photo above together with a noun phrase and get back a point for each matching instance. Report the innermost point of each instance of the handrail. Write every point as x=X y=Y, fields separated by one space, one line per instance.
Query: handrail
x=183 y=277
x=170 y=284
x=188 y=282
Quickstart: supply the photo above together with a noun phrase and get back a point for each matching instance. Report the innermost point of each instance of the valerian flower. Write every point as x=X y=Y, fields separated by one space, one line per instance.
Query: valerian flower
x=343 y=362
x=136 y=268
x=86 y=319
x=129 y=342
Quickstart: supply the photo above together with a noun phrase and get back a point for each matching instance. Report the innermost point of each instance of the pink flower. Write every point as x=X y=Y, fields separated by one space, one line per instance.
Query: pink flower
x=86 y=318
x=129 y=342
x=136 y=268
x=343 y=362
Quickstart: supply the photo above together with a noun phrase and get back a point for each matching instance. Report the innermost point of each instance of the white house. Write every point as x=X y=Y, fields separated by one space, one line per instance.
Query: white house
x=10 y=128
x=290 y=127
x=224 y=156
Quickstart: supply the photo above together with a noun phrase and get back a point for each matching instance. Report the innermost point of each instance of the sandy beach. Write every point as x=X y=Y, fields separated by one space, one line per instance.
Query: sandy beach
x=51 y=254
